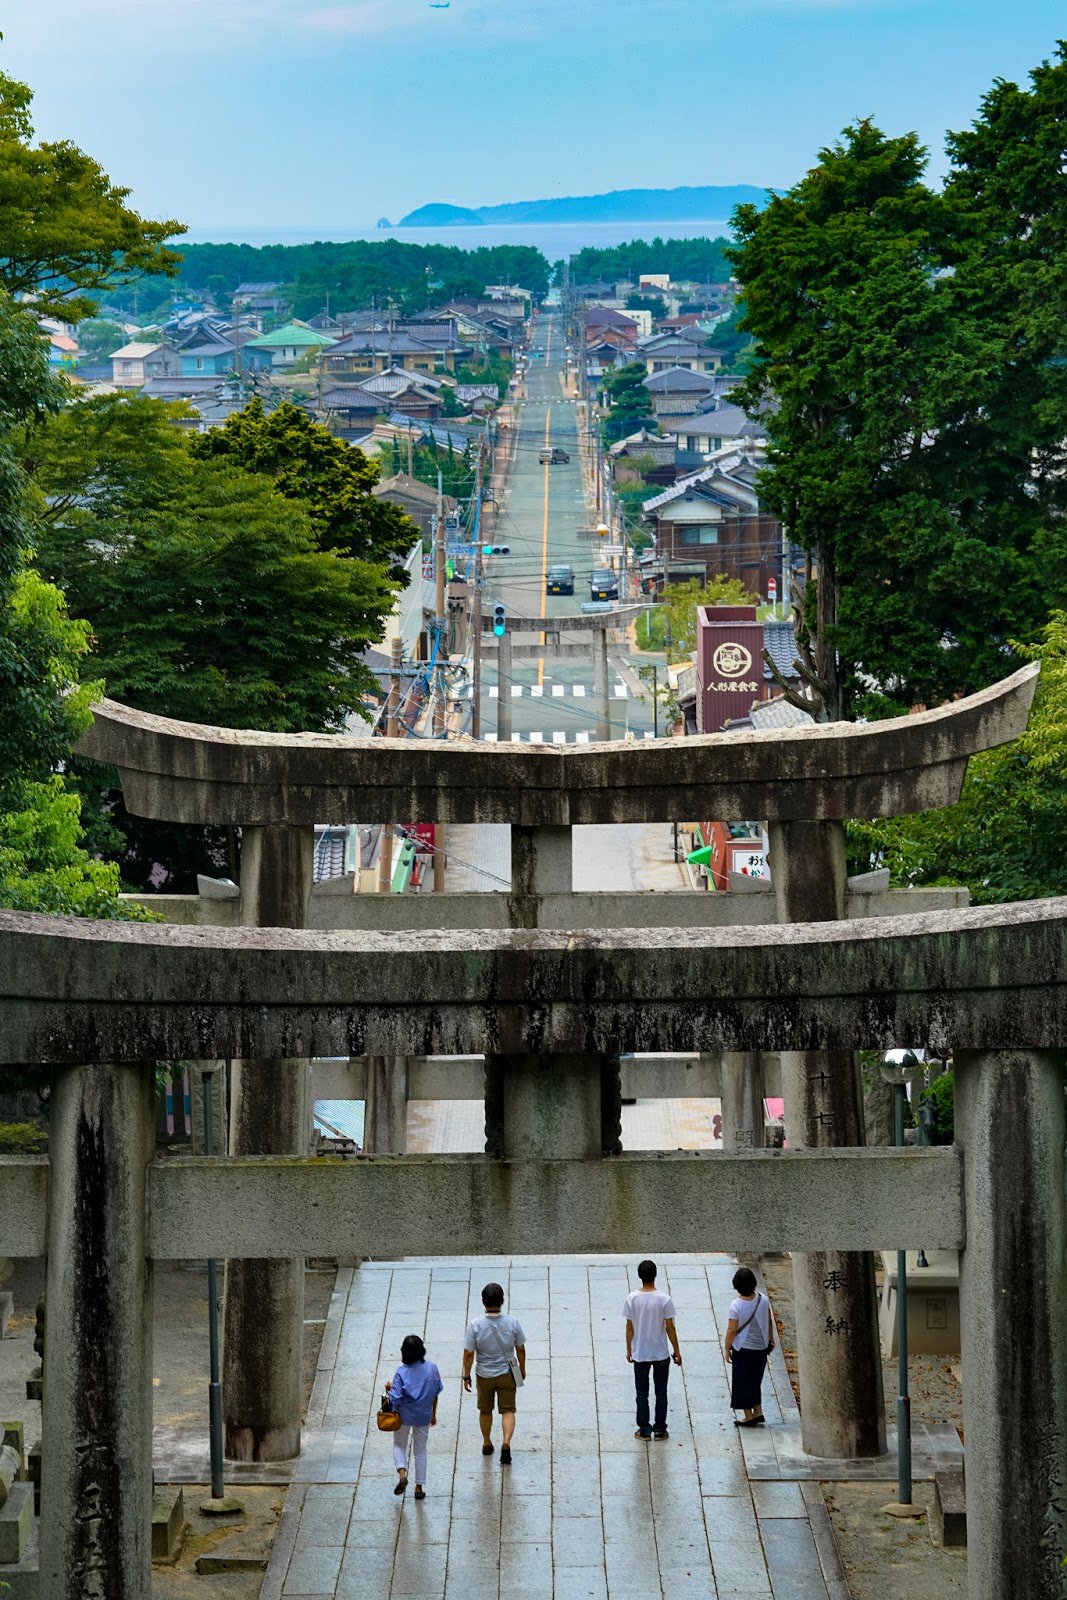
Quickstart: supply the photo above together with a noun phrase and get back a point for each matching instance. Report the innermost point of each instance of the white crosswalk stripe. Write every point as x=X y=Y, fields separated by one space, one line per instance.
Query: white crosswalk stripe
x=621 y=691
x=537 y=738
x=582 y=737
x=559 y=738
x=579 y=691
x=537 y=690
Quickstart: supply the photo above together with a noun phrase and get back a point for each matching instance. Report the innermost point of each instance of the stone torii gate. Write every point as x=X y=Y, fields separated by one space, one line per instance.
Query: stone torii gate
x=551 y=1012
x=801 y=781
x=103 y=1001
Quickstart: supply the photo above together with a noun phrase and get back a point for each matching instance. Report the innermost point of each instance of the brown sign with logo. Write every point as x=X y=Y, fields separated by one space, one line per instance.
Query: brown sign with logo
x=729 y=671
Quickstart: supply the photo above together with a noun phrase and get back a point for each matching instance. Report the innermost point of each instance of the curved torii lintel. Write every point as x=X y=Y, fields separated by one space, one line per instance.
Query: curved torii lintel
x=185 y=772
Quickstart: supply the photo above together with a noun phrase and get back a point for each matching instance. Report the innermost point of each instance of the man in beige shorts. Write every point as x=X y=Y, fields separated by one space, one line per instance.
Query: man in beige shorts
x=499 y=1344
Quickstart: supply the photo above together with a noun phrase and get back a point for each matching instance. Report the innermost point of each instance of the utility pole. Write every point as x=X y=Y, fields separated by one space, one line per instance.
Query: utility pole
x=476 y=601
x=392 y=731
x=503 y=678
x=440 y=705
x=410 y=469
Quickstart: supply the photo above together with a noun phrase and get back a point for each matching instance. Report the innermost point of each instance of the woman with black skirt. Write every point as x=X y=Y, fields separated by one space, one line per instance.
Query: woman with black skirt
x=749 y=1341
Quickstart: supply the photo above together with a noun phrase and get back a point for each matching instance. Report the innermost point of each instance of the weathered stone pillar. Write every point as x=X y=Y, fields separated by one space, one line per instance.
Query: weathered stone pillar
x=742 y=1101
x=503 y=688
x=1009 y=1111
x=841 y=1401
x=541 y=863
x=601 y=687
x=96 y=1506
x=270 y=1114
x=549 y=1106
x=385 y=1118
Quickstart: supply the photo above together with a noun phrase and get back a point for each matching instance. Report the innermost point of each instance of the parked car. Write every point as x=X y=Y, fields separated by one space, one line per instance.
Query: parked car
x=559 y=580
x=553 y=457
x=603 y=584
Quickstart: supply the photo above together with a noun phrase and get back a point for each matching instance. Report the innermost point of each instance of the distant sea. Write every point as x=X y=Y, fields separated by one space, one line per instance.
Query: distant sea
x=555 y=240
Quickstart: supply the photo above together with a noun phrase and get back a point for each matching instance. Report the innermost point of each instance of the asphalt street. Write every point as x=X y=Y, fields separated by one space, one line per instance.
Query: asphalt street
x=544 y=507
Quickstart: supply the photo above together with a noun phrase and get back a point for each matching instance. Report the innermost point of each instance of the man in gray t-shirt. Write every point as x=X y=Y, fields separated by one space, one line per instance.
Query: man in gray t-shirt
x=499 y=1344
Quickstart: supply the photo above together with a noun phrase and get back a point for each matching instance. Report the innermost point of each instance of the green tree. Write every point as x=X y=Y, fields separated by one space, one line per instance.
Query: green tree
x=673 y=625
x=98 y=337
x=43 y=704
x=66 y=232
x=872 y=358
x=331 y=479
x=208 y=597
x=1006 y=838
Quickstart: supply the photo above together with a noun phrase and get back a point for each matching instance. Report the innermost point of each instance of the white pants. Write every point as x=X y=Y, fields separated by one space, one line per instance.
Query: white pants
x=421 y=1431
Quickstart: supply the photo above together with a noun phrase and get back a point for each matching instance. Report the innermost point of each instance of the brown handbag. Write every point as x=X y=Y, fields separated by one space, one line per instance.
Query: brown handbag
x=388 y=1420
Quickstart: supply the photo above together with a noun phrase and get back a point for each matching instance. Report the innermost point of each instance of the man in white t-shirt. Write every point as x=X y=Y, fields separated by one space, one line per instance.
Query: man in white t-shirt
x=651 y=1345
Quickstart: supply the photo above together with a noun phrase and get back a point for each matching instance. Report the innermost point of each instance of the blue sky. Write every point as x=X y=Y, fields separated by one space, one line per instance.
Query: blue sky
x=293 y=113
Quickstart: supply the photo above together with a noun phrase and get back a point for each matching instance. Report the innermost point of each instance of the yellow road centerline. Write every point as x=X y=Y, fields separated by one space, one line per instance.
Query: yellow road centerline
x=544 y=529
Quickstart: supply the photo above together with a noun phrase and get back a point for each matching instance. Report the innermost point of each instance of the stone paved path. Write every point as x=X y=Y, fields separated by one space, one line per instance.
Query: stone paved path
x=586 y=1512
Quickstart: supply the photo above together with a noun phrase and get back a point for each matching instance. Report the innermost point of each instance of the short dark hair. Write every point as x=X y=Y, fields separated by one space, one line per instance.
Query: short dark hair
x=646 y=1271
x=492 y=1297
x=744 y=1280
x=412 y=1350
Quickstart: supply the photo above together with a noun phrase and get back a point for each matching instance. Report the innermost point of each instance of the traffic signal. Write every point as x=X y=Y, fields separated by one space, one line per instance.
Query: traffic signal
x=496 y=549
x=499 y=620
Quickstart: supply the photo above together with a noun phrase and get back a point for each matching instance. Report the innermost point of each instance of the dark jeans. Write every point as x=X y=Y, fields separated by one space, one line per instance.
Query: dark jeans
x=661 y=1371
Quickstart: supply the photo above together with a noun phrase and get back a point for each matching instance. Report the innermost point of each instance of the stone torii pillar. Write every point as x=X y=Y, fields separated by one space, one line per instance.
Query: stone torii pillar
x=842 y=1403
x=270 y=1114
x=1009 y=1118
x=96 y=1491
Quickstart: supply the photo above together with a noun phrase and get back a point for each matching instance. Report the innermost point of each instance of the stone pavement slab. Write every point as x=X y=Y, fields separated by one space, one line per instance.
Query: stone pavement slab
x=585 y=1512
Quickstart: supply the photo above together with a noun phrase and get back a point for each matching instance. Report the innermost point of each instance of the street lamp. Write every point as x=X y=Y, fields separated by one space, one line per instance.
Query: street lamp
x=900 y=1068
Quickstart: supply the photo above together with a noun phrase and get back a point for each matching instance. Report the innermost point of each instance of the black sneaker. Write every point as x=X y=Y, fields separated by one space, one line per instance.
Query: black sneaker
x=662 y=1434
x=505 y=1455
x=641 y=1434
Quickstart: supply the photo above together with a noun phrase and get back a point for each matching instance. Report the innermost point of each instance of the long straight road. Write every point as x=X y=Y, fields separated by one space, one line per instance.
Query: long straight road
x=552 y=697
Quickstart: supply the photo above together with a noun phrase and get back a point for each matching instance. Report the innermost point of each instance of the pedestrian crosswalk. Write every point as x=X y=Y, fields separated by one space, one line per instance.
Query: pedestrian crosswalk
x=547 y=691
x=583 y=736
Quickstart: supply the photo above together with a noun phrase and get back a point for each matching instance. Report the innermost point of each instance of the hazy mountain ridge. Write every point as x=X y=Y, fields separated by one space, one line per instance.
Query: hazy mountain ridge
x=712 y=203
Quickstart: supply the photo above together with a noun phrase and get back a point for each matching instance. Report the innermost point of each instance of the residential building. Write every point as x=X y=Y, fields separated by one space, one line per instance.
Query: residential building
x=288 y=344
x=422 y=347
x=709 y=431
x=350 y=411
x=665 y=350
x=135 y=363
x=417 y=499
x=263 y=299
x=605 y=317
x=710 y=522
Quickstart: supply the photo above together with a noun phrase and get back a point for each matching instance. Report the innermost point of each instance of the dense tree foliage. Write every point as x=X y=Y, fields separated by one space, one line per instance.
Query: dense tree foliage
x=690 y=260
x=673 y=624
x=43 y=705
x=890 y=459
x=205 y=587
x=352 y=275
x=66 y=231
x=208 y=596
x=629 y=400
x=1006 y=839
x=331 y=479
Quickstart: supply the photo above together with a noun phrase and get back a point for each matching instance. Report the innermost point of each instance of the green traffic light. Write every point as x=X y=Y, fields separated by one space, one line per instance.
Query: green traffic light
x=487 y=549
x=498 y=629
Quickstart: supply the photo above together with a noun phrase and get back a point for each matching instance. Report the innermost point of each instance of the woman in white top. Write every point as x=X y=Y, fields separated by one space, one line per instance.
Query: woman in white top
x=749 y=1341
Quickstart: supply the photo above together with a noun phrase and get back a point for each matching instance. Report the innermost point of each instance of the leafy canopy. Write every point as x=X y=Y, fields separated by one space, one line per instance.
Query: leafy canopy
x=43 y=705
x=331 y=479
x=674 y=622
x=66 y=232
x=204 y=586
x=1006 y=838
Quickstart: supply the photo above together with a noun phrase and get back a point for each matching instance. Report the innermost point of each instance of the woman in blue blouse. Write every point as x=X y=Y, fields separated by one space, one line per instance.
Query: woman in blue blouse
x=413 y=1392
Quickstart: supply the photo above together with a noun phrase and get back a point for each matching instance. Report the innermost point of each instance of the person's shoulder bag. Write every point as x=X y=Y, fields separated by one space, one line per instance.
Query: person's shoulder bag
x=512 y=1359
x=388 y=1420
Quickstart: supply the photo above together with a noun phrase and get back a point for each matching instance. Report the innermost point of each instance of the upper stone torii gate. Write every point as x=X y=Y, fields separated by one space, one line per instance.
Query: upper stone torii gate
x=801 y=781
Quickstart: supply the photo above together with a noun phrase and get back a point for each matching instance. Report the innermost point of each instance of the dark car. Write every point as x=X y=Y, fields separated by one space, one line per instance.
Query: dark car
x=603 y=584
x=559 y=580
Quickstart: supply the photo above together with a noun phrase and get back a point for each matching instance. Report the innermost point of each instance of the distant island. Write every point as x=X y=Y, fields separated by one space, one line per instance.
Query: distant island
x=708 y=204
